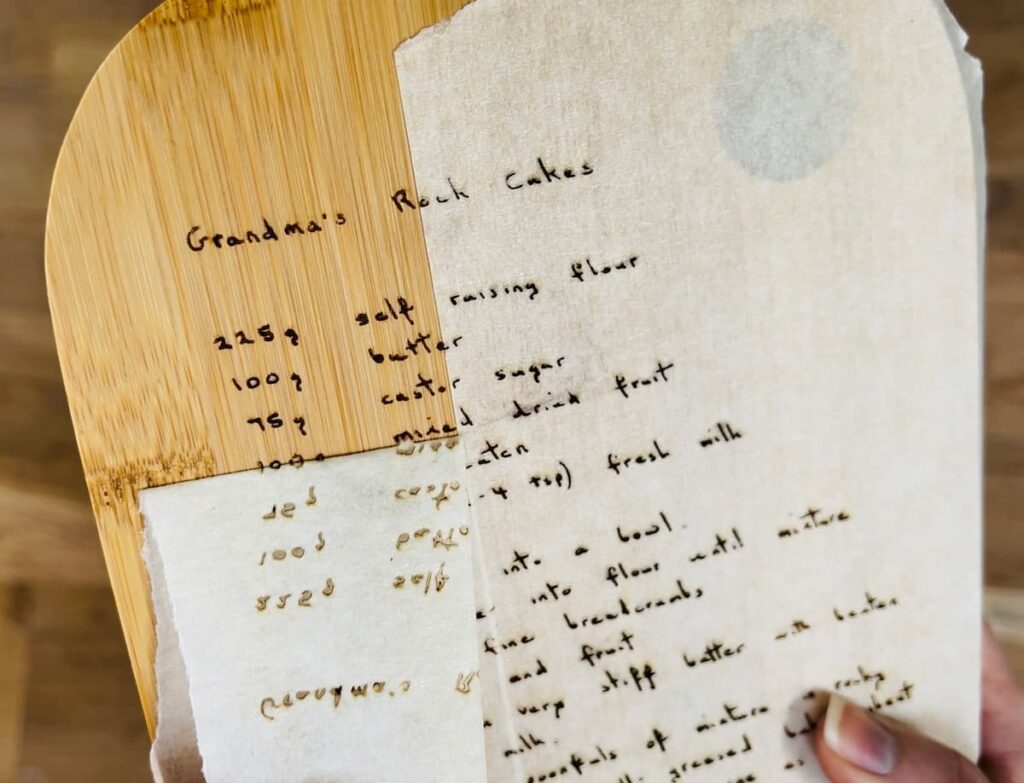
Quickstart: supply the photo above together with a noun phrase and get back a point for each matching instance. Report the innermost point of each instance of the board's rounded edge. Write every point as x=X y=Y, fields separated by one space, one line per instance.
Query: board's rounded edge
x=142 y=656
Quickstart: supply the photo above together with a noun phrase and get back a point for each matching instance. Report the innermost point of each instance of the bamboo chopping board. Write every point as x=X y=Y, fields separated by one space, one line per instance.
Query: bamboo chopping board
x=223 y=252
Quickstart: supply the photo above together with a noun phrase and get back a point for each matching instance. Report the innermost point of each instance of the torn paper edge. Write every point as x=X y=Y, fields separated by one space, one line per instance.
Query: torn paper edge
x=971 y=74
x=174 y=756
x=972 y=77
x=439 y=29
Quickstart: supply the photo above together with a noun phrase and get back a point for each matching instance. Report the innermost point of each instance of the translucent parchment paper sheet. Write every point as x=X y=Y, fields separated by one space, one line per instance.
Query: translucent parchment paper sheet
x=325 y=621
x=715 y=271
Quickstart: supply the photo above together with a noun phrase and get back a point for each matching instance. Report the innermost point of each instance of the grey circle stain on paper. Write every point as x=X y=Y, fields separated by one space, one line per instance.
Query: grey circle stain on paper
x=784 y=103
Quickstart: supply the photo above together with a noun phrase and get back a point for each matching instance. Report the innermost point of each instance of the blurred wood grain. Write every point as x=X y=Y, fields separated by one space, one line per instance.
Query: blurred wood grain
x=68 y=707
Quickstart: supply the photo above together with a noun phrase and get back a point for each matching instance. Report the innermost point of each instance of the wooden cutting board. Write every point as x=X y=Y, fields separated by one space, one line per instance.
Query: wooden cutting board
x=224 y=249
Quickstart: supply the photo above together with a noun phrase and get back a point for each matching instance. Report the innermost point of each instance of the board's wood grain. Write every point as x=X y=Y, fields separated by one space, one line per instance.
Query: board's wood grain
x=219 y=115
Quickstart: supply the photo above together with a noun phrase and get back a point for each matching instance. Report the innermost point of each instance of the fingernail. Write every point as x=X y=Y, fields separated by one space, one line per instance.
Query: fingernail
x=856 y=736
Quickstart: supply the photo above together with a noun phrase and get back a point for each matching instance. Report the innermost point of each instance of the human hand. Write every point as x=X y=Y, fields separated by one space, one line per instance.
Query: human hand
x=855 y=747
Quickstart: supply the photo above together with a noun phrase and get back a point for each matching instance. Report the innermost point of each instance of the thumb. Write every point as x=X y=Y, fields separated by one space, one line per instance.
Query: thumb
x=854 y=746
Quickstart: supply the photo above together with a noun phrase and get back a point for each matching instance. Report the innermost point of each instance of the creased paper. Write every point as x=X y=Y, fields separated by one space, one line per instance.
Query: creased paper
x=715 y=270
x=325 y=618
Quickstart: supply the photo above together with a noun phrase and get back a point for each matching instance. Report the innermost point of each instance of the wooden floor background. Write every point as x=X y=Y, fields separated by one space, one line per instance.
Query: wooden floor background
x=68 y=710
